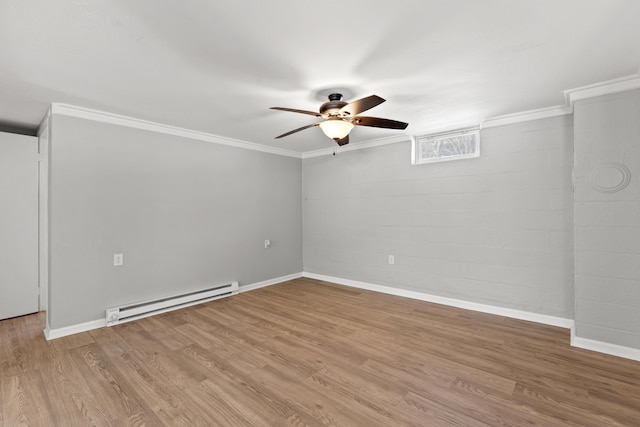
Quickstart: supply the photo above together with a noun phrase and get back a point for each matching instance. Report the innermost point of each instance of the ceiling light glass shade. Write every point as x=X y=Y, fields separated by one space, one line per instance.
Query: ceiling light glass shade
x=336 y=128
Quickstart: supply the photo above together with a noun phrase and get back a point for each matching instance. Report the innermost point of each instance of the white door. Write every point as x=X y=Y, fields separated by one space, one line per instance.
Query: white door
x=18 y=225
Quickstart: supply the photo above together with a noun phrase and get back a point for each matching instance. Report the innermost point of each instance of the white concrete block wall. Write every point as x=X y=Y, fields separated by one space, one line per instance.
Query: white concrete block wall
x=495 y=230
x=607 y=218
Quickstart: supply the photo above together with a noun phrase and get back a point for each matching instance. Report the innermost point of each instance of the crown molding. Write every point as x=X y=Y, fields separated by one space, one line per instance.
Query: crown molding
x=117 y=119
x=571 y=96
x=525 y=116
x=603 y=88
x=357 y=146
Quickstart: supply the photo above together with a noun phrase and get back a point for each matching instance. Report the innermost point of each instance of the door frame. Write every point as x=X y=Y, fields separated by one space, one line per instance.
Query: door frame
x=44 y=144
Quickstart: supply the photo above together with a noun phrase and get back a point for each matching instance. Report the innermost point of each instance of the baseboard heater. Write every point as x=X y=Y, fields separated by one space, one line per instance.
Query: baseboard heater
x=127 y=313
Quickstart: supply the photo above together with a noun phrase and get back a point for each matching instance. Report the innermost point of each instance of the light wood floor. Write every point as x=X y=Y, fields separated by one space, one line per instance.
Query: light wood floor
x=310 y=353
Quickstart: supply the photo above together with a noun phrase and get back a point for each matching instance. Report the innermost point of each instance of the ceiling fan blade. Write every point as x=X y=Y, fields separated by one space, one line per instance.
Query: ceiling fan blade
x=356 y=107
x=297 y=130
x=378 y=122
x=343 y=141
x=293 y=110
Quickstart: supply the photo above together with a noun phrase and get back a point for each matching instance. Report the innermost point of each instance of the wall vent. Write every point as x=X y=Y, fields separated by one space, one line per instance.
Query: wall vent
x=127 y=313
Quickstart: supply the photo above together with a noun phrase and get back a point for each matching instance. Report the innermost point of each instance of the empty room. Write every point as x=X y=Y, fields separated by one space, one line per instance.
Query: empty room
x=409 y=213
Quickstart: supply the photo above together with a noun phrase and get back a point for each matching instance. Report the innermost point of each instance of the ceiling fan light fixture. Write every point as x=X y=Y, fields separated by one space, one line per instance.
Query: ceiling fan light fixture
x=342 y=116
x=336 y=129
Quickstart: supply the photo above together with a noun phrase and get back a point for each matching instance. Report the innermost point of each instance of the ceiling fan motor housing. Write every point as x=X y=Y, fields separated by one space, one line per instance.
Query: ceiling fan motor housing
x=334 y=104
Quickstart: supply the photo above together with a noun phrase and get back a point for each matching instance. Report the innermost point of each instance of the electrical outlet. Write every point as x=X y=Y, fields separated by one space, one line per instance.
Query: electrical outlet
x=267 y=243
x=392 y=259
x=118 y=259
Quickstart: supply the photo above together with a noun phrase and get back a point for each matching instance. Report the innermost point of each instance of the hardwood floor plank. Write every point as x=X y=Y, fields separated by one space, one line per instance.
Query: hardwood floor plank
x=170 y=338
x=384 y=414
x=356 y=378
x=575 y=411
x=303 y=397
x=224 y=370
x=159 y=395
x=74 y=399
x=15 y=409
x=482 y=407
x=215 y=411
x=307 y=352
x=430 y=412
x=256 y=411
x=406 y=377
x=119 y=395
x=36 y=392
x=293 y=317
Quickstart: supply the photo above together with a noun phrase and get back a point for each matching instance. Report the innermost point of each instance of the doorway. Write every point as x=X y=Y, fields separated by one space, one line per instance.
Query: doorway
x=19 y=292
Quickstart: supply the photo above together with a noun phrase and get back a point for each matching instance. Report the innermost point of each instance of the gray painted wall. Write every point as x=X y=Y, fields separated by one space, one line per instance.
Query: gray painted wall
x=607 y=218
x=185 y=214
x=495 y=230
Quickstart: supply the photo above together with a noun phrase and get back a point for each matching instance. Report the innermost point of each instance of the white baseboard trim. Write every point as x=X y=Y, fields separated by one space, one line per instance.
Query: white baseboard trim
x=604 y=347
x=587 y=344
x=584 y=343
x=51 y=334
x=253 y=286
x=467 y=305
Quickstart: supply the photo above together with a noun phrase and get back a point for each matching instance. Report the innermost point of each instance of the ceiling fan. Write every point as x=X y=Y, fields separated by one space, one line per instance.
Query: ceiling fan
x=342 y=116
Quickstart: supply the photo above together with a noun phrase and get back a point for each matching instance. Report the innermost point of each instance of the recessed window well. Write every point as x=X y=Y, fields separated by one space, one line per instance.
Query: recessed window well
x=459 y=144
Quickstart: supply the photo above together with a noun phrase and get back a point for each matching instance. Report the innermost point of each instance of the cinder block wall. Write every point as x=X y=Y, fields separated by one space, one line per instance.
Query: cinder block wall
x=494 y=230
x=607 y=218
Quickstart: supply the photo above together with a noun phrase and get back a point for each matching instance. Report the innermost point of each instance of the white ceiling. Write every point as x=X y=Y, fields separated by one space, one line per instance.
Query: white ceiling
x=217 y=66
